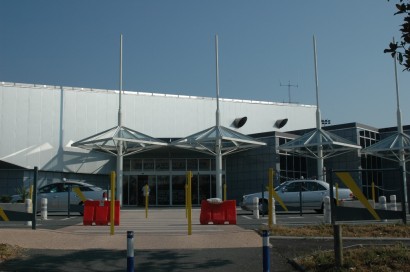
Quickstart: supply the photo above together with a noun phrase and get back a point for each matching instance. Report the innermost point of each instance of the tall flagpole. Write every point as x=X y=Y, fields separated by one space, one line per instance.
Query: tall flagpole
x=318 y=118
x=119 y=143
x=402 y=159
x=218 y=143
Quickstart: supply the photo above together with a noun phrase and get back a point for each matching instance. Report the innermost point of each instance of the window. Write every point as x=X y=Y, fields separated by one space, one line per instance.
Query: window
x=294 y=187
x=148 y=164
x=178 y=164
x=162 y=165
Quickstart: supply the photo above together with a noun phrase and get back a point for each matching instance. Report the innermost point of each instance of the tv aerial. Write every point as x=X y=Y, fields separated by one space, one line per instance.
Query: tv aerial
x=288 y=85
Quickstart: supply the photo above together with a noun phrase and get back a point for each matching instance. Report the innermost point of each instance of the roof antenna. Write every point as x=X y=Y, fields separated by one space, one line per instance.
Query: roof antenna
x=288 y=85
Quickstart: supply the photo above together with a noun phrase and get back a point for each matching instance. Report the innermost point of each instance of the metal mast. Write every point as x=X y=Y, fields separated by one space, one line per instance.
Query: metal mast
x=218 y=143
x=318 y=117
x=402 y=159
x=119 y=144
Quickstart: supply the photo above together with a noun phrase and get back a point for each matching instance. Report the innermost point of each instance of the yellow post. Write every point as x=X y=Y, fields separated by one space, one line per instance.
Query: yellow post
x=112 y=202
x=225 y=191
x=189 y=176
x=337 y=194
x=31 y=192
x=270 y=215
x=146 y=192
x=186 y=200
x=373 y=193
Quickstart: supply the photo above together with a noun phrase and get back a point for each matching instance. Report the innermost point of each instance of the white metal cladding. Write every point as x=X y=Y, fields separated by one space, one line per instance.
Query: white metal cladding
x=38 y=123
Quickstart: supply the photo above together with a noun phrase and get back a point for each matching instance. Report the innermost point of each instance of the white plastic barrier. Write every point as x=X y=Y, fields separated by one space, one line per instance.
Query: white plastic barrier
x=326 y=210
x=255 y=202
x=44 y=208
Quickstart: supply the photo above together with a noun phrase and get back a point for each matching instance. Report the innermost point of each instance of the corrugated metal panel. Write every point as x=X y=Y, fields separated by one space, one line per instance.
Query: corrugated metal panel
x=38 y=122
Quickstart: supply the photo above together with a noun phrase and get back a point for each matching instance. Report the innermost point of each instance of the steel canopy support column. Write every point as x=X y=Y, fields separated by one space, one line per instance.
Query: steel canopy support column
x=119 y=173
x=218 y=161
x=218 y=143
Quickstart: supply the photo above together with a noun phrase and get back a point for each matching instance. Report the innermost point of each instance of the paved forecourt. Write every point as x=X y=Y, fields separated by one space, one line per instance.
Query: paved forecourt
x=165 y=228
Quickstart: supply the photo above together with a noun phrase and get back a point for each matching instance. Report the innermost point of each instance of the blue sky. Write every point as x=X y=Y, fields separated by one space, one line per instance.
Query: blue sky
x=169 y=48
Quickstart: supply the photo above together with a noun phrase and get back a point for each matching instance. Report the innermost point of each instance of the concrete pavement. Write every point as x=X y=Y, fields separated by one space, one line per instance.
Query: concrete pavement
x=161 y=243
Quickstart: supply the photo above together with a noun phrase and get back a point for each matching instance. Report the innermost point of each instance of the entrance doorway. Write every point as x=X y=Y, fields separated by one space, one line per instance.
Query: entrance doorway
x=133 y=190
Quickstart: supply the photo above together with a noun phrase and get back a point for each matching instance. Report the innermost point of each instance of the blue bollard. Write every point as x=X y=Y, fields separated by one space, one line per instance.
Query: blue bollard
x=130 y=251
x=266 y=256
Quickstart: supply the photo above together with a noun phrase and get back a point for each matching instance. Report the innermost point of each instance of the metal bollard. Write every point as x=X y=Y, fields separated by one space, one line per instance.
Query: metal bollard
x=130 y=251
x=393 y=202
x=265 y=249
x=256 y=207
x=383 y=204
x=29 y=209
x=326 y=210
x=273 y=211
x=44 y=208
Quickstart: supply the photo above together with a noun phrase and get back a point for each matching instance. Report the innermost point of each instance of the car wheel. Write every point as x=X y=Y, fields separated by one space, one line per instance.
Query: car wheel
x=81 y=204
x=321 y=208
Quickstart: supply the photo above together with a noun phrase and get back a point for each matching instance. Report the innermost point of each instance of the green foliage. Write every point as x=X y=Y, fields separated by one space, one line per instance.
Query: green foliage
x=23 y=193
x=401 y=49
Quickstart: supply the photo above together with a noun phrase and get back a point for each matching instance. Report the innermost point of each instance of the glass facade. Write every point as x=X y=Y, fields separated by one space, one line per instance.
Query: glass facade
x=291 y=166
x=166 y=179
x=366 y=139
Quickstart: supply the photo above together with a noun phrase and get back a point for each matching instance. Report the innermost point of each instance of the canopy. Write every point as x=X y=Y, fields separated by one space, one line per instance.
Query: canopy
x=310 y=143
x=205 y=141
x=108 y=141
x=390 y=147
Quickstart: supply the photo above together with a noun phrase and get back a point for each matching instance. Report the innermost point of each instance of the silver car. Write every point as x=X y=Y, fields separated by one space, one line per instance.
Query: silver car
x=57 y=195
x=312 y=191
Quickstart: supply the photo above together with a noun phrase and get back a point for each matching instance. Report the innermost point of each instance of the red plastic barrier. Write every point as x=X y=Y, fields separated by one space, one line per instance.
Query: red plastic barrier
x=101 y=215
x=218 y=213
x=116 y=211
x=89 y=211
x=88 y=217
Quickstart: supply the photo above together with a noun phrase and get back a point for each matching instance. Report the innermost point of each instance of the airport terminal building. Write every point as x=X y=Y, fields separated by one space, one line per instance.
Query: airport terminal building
x=40 y=123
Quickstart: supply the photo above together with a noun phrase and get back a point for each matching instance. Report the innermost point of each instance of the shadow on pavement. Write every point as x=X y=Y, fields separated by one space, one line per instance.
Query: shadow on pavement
x=115 y=260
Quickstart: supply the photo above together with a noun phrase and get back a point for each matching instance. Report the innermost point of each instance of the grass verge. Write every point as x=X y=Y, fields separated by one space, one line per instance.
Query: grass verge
x=364 y=259
x=384 y=258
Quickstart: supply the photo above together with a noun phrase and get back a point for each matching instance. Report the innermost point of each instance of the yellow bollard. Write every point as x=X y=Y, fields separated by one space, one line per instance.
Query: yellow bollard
x=31 y=192
x=189 y=176
x=186 y=200
x=337 y=194
x=112 y=202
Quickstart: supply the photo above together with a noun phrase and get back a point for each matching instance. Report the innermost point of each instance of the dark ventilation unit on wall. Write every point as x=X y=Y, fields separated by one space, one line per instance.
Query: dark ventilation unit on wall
x=239 y=122
x=281 y=123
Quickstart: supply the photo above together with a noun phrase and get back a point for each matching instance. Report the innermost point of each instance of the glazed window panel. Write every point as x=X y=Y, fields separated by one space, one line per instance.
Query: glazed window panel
x=178 y=164
x=162 y=165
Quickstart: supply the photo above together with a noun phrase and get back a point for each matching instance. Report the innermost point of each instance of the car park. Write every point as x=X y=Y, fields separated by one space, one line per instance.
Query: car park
x=311 y=192
x=57 y=195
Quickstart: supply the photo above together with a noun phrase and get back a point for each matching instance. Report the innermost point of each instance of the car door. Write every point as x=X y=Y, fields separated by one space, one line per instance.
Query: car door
x=290 y=194
x=313 y=195
x=52 y=194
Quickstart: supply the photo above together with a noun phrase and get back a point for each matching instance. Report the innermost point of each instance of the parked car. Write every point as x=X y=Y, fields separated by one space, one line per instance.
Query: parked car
x=313 y=192
x=57 y=195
